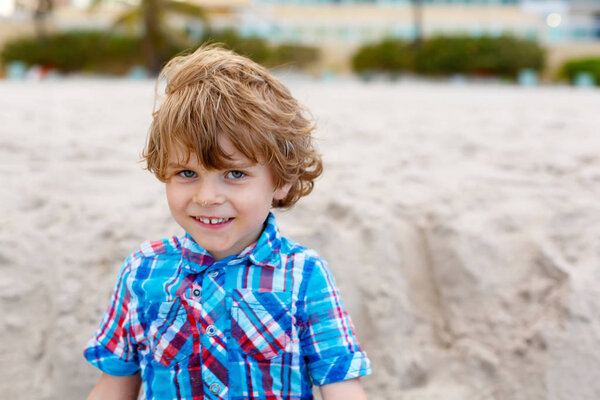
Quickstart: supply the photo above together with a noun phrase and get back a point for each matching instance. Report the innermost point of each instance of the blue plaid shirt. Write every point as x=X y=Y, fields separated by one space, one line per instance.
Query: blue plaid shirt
x=265 y=324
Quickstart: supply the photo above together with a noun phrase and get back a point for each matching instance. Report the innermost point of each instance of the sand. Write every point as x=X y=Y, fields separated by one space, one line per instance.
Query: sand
x=462 y=223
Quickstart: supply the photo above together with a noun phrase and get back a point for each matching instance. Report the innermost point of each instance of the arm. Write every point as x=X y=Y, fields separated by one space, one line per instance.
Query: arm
x=344 y=390
x=113 y=349
x=111 y=387
x=327 y=337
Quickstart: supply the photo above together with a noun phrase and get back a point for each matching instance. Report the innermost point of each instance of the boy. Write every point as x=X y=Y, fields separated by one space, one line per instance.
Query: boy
x=231 y=309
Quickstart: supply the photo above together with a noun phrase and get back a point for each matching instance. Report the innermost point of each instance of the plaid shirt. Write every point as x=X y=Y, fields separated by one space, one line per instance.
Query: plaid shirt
x=264 y=324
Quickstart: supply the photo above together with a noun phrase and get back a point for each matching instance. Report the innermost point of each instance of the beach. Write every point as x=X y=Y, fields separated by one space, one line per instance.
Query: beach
x=461 y=222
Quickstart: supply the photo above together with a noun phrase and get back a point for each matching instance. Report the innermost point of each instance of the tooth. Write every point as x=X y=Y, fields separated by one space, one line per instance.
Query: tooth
x=212 y=221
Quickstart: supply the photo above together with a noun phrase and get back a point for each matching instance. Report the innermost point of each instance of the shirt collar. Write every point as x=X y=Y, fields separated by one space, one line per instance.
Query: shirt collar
x=265 y=252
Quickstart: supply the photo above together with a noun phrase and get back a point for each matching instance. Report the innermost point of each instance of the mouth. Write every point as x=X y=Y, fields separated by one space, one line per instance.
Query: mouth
x=213 y=221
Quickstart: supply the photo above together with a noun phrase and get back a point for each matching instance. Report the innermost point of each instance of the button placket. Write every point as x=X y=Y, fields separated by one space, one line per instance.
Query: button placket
x=213 y=340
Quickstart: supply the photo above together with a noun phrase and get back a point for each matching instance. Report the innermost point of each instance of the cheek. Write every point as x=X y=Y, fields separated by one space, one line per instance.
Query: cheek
x=253 y=199
x=266 y=192
x=175 y=196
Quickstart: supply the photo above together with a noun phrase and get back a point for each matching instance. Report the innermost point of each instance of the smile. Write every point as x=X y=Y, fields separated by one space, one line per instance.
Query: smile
x=212 y=221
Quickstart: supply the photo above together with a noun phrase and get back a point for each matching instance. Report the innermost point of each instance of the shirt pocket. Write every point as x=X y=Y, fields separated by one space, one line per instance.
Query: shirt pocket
x=170 y=332
x=261 y=322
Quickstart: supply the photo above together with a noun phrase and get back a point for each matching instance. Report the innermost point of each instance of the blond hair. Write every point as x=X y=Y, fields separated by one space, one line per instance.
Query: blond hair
x=214 y=92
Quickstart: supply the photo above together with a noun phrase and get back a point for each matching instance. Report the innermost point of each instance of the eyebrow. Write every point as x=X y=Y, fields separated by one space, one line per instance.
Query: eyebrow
x=233 y=164
x=176 y=165
x=239 y=164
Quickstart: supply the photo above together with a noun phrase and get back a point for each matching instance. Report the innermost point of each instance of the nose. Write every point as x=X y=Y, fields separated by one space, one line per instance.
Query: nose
x=208 y=192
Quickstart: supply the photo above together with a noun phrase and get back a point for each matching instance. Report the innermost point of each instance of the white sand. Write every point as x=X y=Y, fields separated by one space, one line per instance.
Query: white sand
x=462 y=224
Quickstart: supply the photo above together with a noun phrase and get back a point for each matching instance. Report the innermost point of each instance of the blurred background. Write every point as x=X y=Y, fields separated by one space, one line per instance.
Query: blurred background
x=519 y=40
x=458 y=210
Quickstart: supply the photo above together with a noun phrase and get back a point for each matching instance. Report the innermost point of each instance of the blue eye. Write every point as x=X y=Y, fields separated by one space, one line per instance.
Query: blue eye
x=235 y=174
x=187 y=174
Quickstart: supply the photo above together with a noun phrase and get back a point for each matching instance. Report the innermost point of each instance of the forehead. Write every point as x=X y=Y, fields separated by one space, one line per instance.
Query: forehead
x=228 y=155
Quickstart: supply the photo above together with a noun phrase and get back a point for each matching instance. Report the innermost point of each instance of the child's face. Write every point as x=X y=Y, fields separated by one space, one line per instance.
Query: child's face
x=223 y=210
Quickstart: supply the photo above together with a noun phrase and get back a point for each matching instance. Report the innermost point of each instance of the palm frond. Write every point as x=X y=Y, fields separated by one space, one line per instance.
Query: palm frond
x=186 y=9
x=129 y=18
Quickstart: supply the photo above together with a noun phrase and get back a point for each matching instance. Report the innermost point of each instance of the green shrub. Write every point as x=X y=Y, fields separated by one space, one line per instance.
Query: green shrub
x=390 y=55
x=254 y=48
x=101 y=52
x=92 y=51
x=261 y=51
x=572 y=67
x=292 y=55
x=447 y=55
x=498 y=56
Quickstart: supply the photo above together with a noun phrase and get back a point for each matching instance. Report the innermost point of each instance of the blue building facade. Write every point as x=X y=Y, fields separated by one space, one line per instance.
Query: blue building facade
x=353 y=22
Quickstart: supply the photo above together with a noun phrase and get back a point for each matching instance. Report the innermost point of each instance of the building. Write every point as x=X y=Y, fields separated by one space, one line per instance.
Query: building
x=566 y=27
x=351 y=22
x=339 y=26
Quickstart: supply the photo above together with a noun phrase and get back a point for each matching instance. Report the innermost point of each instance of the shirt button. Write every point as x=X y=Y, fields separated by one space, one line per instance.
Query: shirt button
x=215 y=388
x=211 y=330
x=212 y=274
x=196 y=292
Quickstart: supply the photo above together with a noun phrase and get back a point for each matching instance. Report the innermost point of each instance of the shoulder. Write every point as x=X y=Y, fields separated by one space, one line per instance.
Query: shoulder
x=308 y=267
x=154 y=260
x=159 y=248
x=296 y=254
x=151 y=251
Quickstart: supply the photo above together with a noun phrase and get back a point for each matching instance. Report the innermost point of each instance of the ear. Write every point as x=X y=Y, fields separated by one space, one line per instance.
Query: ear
x=281 y=192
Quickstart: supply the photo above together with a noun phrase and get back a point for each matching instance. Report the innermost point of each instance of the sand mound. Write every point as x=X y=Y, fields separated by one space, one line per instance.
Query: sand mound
x=462 y=224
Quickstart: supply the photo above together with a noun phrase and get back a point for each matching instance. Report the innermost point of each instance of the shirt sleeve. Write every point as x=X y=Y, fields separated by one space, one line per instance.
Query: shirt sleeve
x=328 y=340
x=112 y=348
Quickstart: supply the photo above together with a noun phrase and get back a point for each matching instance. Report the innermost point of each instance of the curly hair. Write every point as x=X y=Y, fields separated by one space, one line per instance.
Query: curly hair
x=214 y=92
